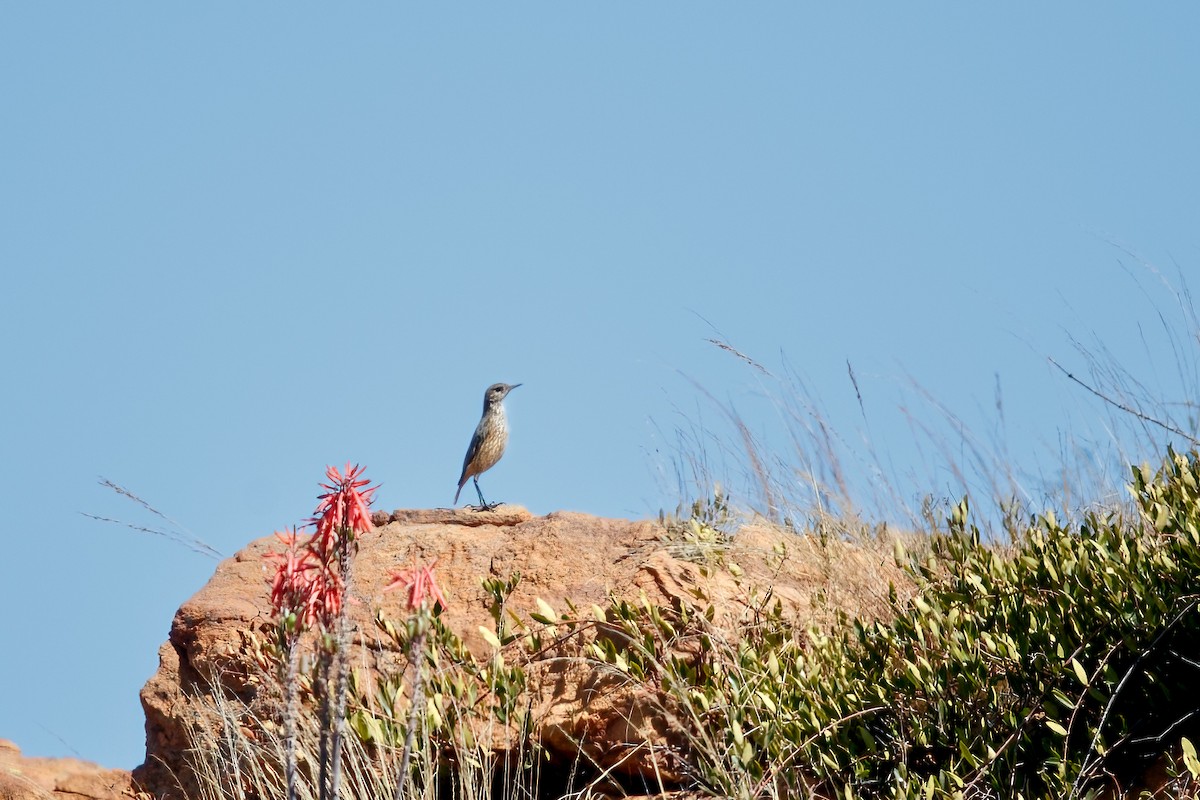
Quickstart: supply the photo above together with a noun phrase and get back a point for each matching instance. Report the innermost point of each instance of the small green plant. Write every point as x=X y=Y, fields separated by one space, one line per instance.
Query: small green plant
x=458 y=704
x=703 y=536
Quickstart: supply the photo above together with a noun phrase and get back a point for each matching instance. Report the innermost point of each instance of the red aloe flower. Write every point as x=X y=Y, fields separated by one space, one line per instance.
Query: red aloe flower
x=292 y=584
x=420 y=583
x=328 y=593
x=344 y=506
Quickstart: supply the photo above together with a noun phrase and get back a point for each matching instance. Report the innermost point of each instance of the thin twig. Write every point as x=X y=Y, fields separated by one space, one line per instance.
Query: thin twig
x=181 y=535
x=195 y=545
x=1127 y=409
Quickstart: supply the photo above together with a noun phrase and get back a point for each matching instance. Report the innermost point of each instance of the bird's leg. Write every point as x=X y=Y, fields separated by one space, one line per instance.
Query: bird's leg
x=484 y=505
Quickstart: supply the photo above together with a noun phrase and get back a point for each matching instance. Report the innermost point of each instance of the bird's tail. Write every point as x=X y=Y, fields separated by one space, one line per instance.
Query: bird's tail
x=456 y=494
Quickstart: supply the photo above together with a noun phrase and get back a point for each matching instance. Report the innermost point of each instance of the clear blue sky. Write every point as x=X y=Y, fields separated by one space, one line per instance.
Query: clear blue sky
x=244 y=241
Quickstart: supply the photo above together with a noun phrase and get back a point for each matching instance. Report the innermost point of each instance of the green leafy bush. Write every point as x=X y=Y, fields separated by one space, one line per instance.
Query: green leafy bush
x=1060 y=665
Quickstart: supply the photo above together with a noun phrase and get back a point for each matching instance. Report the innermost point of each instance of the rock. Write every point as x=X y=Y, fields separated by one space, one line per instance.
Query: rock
x=212 y=654
x=24 y=778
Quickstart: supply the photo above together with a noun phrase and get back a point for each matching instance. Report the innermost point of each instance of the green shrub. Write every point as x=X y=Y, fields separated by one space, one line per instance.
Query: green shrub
x=1058 y=666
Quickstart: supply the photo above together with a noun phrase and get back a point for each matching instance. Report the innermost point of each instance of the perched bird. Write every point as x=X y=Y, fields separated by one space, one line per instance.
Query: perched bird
x=487 y=445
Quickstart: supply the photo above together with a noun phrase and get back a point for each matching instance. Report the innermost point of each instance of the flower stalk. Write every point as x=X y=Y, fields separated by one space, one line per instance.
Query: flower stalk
x=293 y=612
x=310 y=590
x=423 y=595
x=341 y=516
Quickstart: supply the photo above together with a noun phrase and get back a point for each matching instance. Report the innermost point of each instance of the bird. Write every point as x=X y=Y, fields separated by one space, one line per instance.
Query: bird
x=489 y=441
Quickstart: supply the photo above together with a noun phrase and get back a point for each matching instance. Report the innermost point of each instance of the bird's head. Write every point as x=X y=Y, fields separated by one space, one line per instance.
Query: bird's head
x=497 y=392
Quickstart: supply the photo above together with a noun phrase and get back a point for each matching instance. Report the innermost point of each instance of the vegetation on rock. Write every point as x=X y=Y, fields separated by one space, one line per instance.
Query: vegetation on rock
x=1058 y=663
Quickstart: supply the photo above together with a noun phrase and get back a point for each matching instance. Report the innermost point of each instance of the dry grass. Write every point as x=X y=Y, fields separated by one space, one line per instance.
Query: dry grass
x=236 y=746
x=235 y=754
x=801 y=466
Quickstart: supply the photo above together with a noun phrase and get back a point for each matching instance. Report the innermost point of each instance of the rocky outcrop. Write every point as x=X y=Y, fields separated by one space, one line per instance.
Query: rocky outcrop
x=24 y=778
x=211 y=653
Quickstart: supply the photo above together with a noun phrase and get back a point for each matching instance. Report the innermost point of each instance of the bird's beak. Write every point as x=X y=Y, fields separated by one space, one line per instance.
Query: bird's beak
x=515 y=385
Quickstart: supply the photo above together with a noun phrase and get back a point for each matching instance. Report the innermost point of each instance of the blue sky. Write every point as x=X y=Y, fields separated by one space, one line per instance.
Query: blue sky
x=241 y=242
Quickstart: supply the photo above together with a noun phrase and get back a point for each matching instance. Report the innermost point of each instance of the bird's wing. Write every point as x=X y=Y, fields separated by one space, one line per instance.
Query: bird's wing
x=472 y=451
